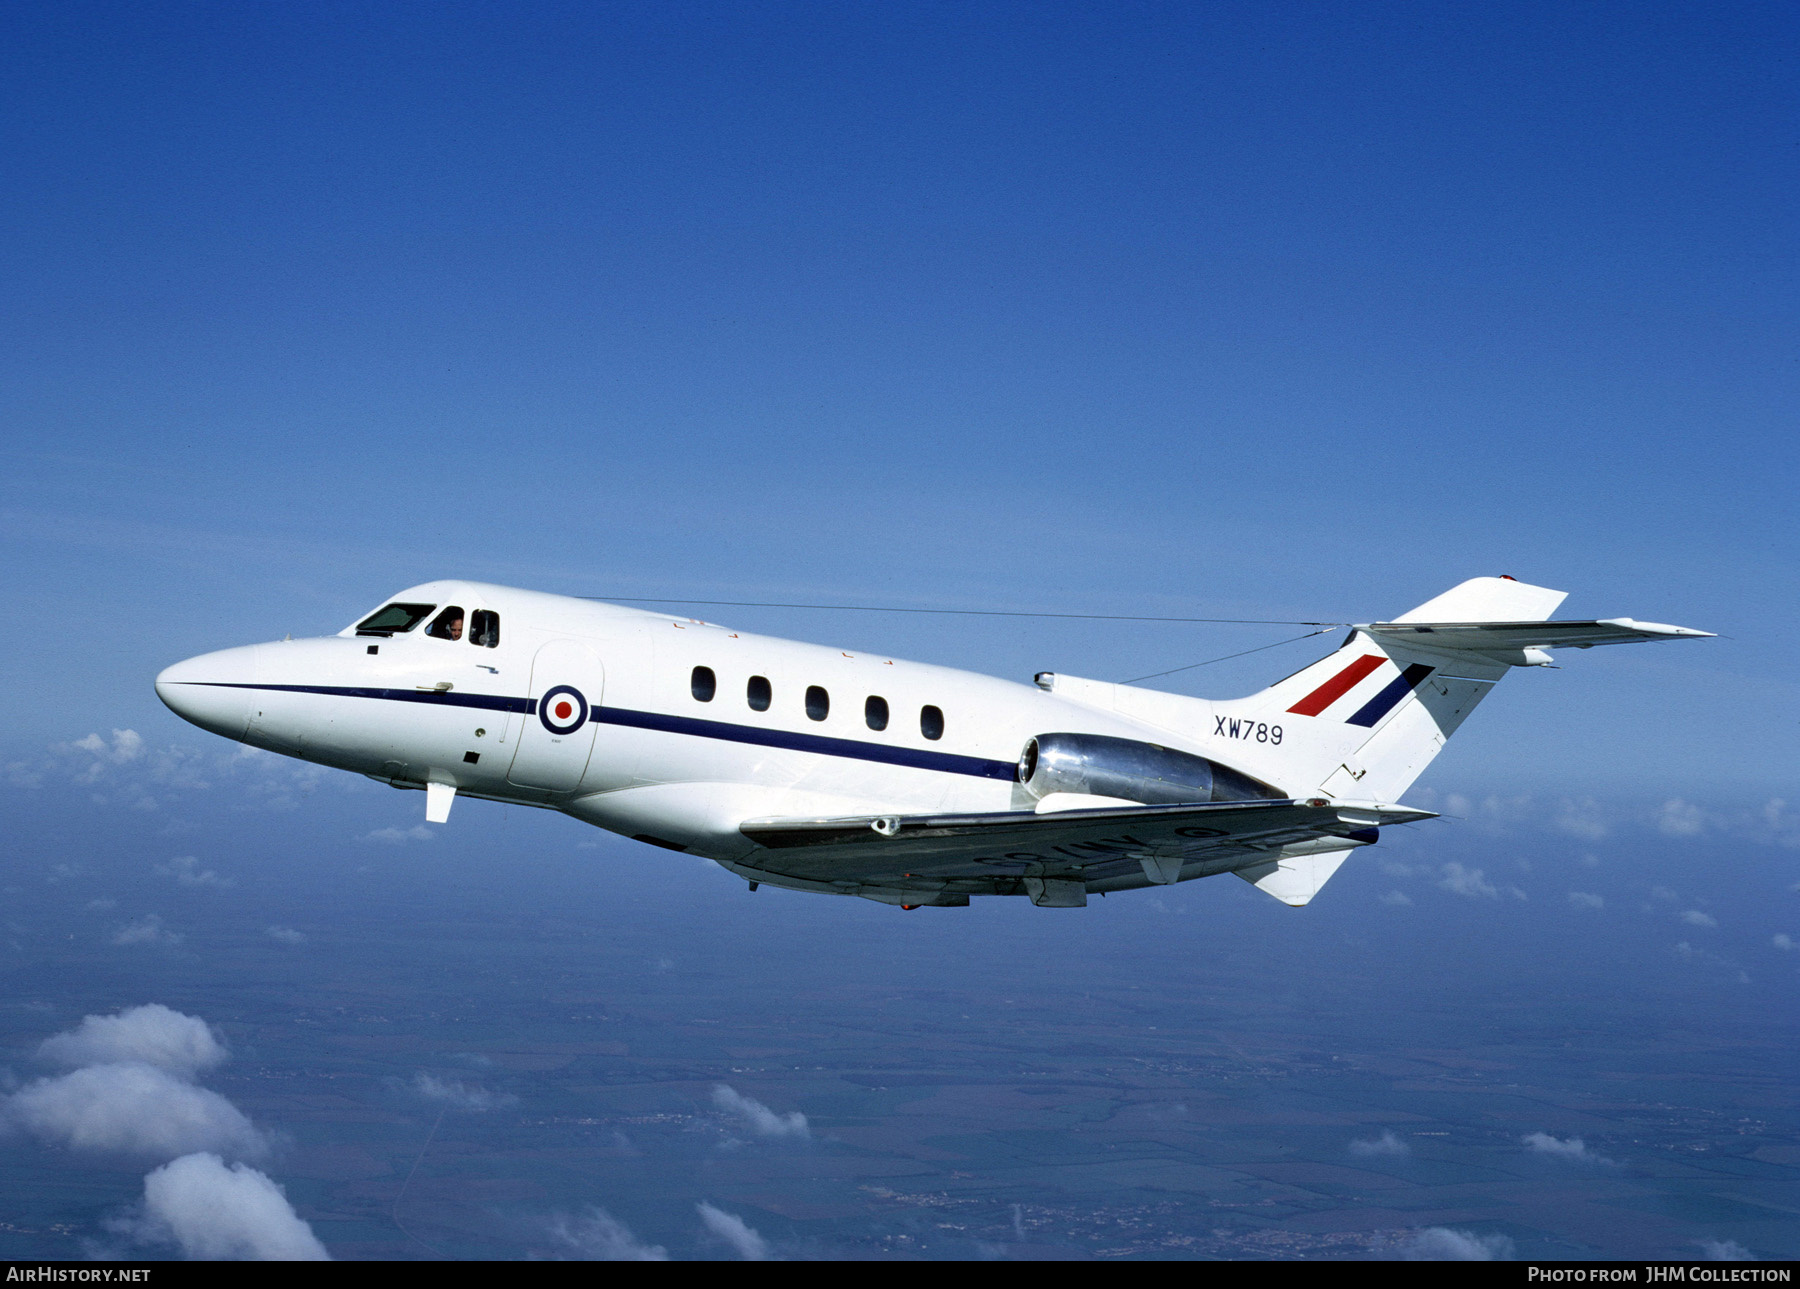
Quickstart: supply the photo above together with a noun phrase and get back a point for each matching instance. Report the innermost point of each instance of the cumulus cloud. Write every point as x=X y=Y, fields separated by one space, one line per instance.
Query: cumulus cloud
x=186 y=870
x=1725 y=1251
x=598 y=1236
x=132 y=1108
x=1399 y=899
x=125 y=770
x=286 y=934
x=1467 y=881
x=399 y=836
x=212 y=1213
x=123 y=763
x=148 y=929
x=1688 y=953
x=1583 y=819
x=1677 y=818
x=1694 y=917
x=1572 y=1149
x=1442 y=1244
x=1583 y=900
x=735 y=1232
x=462 y=1096
x=132 y=1094
x=149 y=1035
x=1386 y=1144
x=756 y=1116
x=1663 y=893
x=1783 y=941
x=126 y=746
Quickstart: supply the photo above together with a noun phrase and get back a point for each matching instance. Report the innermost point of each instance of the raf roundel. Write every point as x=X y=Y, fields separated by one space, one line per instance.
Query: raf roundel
x=563 y=710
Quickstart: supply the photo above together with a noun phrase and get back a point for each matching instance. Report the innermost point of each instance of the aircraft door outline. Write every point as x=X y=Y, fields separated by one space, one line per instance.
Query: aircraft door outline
x=556 y=741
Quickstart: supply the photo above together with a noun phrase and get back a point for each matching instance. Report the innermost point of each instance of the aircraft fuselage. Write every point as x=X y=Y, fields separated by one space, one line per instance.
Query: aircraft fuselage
x=666 y=729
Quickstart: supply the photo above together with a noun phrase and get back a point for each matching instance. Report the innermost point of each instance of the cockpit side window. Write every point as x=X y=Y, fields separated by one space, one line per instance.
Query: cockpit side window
x=448 y=625
x=484 y=628
x=393 y=619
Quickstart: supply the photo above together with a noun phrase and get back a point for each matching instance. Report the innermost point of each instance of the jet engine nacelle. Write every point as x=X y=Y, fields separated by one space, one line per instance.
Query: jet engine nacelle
x=1097 y=765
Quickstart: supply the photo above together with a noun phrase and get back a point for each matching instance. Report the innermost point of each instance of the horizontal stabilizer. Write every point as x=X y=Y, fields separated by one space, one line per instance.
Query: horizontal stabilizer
x=1508 y=642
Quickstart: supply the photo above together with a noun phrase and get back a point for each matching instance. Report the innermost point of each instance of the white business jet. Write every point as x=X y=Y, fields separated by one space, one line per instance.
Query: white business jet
x=816 y=769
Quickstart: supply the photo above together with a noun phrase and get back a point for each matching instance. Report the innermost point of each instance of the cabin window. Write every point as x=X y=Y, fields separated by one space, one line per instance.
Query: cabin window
x=875 y=712
x=818 y=703
x=393 y=619
x=484 y=628
x=447 y=625
x=931 y=722
x=703 y=684
x=758 y=694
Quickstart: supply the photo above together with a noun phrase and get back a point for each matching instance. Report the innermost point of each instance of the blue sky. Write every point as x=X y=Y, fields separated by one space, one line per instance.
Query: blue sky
x=1304 y=312
x=1301 y=311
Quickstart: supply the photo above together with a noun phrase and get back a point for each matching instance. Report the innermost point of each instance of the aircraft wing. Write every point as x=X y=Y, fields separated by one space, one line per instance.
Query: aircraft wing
x=945 y=858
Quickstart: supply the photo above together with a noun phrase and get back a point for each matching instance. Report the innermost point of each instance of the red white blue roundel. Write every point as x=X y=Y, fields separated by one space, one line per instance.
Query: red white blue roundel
x=563 y=710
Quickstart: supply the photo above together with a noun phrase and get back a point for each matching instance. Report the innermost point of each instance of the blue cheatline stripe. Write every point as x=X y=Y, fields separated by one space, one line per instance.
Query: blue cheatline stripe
x=913 y=758
x=1398 y=688
x=487 y=702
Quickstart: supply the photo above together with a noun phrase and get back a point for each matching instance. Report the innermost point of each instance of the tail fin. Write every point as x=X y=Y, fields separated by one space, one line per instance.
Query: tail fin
x=1363 y=723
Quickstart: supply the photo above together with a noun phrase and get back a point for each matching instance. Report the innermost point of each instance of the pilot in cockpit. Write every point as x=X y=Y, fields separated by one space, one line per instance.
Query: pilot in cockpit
x=448 y=626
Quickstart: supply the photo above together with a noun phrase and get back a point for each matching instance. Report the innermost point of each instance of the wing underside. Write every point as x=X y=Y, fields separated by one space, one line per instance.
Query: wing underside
x=1053 y=858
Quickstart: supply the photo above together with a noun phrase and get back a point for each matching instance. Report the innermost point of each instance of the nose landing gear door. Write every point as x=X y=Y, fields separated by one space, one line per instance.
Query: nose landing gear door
x=558 y=735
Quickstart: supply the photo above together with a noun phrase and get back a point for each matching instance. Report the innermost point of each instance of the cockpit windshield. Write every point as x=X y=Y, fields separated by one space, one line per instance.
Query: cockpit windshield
x=393 y=619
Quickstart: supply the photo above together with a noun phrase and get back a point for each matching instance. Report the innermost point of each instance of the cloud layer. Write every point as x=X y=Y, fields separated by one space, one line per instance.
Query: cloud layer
x=756 y=1116
x=125 y=770
x=598 y=1236
x=734 y=1231
x=1572 y=1149
x=1386 y=1144
x=1442 y=1244
x=186 y=870
x=148 y=929
x=461 y=1096
x=1467 y=881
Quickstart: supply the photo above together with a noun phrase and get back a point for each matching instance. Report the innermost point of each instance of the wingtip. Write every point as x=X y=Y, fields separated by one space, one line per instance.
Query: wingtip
x=1376 y=813
x=1659 y=628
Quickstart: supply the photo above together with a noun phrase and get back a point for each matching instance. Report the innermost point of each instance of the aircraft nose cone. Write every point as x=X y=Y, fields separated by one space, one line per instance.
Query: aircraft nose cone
x=211 y=691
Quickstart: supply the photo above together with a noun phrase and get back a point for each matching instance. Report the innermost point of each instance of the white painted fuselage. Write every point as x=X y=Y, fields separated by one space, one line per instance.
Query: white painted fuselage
x=651 y=760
